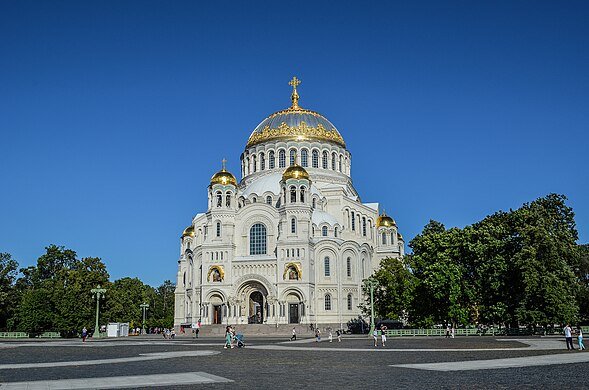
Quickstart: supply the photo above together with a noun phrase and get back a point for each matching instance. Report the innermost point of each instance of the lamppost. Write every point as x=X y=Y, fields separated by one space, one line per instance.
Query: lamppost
x=372 y=284
x=144 y=306
x=97 y=292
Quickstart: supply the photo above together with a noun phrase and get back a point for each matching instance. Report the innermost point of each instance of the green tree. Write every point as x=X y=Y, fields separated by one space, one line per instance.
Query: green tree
x=122 y=301
x=394 y=294
x=8 y=273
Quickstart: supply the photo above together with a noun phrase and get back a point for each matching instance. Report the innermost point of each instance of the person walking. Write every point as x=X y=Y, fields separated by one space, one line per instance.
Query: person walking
x=568 y=337
x=84 y=334
x=330 y=336
x=375 y=337
x=317 y=335
x=294 y=334
x=580 y=339
x=448 y=331
x=383 y=335
x=338 y=333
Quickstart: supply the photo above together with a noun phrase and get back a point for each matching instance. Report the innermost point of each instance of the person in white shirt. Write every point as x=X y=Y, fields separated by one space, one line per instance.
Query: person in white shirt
x=568 y=337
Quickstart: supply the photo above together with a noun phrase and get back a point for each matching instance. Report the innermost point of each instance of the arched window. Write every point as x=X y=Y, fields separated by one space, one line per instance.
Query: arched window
x=293 y=225
x=262 y=162
x=327 y=302
x=254 y=160
x=384 y=238
x=392 y=241
x=326 y=266
x=315 y=159
x=184 y=279
x=324 y=160
x=314 y=202
x=349 y=267
x=324 y=231
x=271 y=158
x=364 y=226
x=281 y=158
x=340 y=162
x=363 y=269
x=333 y=161
x=219 y=199
x=293 y=155
x=302 y=194
x=254 y=199
x=304 y=158
x=269 y=200
x=350 y=302
x=218 y=229
x=258 y=239
x=293 y=194
x=228 y=199
x=353 y=221
x=335 y=232
x=247 y=165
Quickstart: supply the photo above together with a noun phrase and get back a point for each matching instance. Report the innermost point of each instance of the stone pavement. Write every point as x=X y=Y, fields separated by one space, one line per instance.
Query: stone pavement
x=412 y=363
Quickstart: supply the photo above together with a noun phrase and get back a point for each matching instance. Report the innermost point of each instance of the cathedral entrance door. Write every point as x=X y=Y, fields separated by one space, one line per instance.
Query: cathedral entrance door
x=256 y=306
x=217 y=314
x=293 y=313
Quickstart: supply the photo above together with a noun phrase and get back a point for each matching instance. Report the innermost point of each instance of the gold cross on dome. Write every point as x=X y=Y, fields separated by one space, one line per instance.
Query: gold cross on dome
x=294 y=82
x=223 y=161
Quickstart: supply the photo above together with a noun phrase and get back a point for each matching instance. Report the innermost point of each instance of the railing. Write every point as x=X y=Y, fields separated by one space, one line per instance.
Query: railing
x=479 y=332
x=25 y=335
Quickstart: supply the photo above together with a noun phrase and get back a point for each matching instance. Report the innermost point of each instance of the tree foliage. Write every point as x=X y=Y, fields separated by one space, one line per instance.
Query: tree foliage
x=521 y=267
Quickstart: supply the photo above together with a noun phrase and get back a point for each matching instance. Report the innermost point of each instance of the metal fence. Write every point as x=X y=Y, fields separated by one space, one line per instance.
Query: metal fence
x=479 y=332
x=25 y=335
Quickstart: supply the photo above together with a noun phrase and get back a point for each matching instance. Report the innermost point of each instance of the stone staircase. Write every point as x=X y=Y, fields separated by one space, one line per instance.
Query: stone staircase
x=303 y=330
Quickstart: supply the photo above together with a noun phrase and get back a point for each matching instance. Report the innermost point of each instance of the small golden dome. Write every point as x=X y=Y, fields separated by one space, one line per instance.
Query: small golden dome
x=385 y=220
x=223 y=177
x=400 y=237
x=295 y=172
x=189 y=231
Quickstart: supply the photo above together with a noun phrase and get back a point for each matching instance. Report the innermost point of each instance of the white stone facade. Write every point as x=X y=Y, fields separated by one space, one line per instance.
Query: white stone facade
x=282 y=247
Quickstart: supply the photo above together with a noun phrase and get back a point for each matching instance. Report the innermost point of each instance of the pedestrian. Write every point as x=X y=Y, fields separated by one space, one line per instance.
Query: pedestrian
x=452 y=331
x=317 y=335
x=580 y=338
x=383 y=335
x=375 y=337
x=568 y=337
x=448 y=331
x=197 y=328
x=84 y=334
x=294 y=334
x=227 y=337
x=338 y=333
x=330 y=336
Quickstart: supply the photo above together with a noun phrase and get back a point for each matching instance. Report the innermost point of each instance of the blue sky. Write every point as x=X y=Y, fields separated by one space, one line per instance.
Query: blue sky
x=115 y=114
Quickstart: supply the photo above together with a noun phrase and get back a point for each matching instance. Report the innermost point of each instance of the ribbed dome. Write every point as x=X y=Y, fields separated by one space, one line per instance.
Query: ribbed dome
x=189 y=231
x=295 y=123
x=295 y=172
x=223 y=177
x=385 y=220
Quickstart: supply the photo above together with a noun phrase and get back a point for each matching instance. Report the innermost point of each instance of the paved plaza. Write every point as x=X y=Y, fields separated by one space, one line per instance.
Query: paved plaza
x=265 y=363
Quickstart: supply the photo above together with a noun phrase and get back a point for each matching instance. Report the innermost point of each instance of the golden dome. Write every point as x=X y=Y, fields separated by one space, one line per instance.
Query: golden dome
x=189 y=231
x=400 y=237
x=223 y=177
x=295 y=172
x=295 y=123
x=385 y=220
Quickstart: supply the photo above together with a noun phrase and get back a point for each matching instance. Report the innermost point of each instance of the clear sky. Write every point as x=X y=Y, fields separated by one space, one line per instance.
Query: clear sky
x=115 y=114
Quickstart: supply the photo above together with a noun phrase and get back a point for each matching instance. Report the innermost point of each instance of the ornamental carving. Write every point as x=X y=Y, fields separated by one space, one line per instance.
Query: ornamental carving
x=300 y=132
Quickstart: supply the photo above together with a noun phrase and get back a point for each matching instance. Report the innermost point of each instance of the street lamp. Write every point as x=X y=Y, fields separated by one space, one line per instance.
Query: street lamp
x=98 y=292
x=144 y=306
x=372 y=284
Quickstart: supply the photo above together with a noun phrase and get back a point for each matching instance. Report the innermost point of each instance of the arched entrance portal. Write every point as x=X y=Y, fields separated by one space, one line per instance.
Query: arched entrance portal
x=295 y=308
x=254 y=295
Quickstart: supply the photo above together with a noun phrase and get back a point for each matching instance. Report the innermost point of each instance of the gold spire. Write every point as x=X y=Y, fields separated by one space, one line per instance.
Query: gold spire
x=294 y=96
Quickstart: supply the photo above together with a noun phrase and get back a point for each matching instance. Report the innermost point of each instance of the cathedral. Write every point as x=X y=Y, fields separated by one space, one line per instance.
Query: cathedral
x=291 y=242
